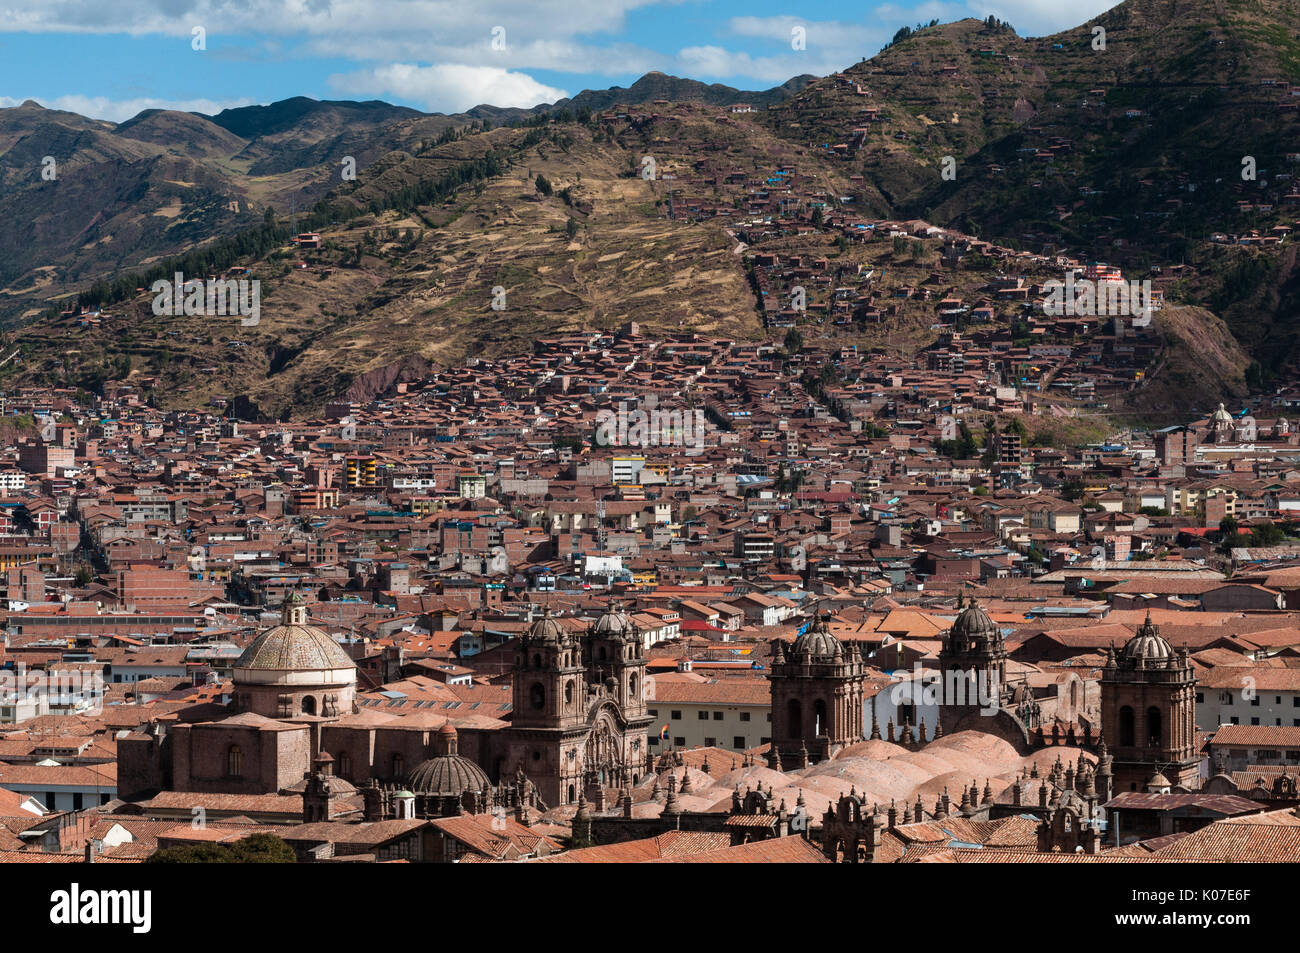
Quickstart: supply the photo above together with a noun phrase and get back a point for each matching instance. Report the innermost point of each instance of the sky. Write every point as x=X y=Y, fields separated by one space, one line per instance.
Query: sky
x=110 y=60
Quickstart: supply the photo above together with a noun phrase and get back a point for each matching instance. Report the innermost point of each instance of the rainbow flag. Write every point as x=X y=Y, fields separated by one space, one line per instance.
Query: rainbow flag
x=663 y=733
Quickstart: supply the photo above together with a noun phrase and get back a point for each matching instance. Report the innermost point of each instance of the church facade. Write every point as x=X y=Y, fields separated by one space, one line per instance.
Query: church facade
x=579 y=725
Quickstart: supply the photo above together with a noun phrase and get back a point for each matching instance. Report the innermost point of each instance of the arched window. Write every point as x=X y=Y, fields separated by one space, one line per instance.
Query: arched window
x=1154 y=726
x=794 y=718
x=571 y=794
x=819 y=717
x=309 y=704
x=1074 y=693
x=603 y=653
x=399 y=766
x=631 y=686
x=233 y=762
x=537 y=696
x=568 y=693
x=1126 y=734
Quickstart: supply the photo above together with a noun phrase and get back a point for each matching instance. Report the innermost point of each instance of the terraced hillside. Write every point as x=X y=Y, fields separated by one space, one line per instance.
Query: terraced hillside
x=1131 y=154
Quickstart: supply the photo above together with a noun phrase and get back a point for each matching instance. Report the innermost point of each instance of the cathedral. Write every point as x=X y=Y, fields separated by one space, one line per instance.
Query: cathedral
x=1147 y=691
x=579 y=727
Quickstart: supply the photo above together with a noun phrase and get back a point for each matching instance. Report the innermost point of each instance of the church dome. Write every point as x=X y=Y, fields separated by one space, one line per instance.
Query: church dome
x=293 y=646
x=447 y=773
x=974 y=623
x=1148 y=644
x=818 y=643
x=546 y=629
x=1222 y=416
x=614 y=623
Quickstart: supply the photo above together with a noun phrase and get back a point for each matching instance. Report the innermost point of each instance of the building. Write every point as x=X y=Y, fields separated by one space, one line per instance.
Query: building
x=1148 y=712
x=818 y=696
x=734 y=713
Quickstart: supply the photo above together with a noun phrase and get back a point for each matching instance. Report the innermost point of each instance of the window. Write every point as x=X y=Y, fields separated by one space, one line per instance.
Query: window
x=1255 y=701
x=345 y=765
x=744 y=715
x=1154 y=732
x=717 y=716
x=738 y=742
x=1254 y=721
x=710 y=742
x=537 y=696
x=1126 y=733
x=680 y=742
x=233 y=762
x=399 y=765
x=652 y=712
x=676 y=716
x=1200 y=697
x=1233 y=720
x=702 y=715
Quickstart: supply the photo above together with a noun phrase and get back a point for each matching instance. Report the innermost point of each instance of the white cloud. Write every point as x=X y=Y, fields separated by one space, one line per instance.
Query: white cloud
x=733 y=67
x=448 y=87
x=1041 y=17
x=120 y=110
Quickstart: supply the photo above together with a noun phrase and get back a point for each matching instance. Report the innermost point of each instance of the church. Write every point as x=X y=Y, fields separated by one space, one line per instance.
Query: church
x=1147 y=689
x=579 y=726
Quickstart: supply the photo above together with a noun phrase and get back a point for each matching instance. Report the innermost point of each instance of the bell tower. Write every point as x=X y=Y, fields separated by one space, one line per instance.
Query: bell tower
x=973 y=647
x=616 y=661
x=1148 y=712
x=817 y=696
x=549 y=686
x=548 y=724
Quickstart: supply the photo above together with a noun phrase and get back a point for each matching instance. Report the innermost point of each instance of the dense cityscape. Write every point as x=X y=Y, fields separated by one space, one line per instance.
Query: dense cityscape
x=640 y=432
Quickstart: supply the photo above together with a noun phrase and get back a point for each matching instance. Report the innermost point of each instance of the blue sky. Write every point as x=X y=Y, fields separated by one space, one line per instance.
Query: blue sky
x=112 y=59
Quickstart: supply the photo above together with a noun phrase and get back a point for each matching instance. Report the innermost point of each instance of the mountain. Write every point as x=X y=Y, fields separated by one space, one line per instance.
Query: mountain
x=1131 y=153
x=163 y=181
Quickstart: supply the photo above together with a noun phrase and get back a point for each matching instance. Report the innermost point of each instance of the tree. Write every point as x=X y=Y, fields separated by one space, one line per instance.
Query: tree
x=793 y=341
x=83 y=576
x=571 y=229
x=543 y=184
x=257 y=849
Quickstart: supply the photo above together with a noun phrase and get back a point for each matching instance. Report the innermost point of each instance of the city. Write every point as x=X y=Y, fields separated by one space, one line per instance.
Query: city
x=844 y=443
